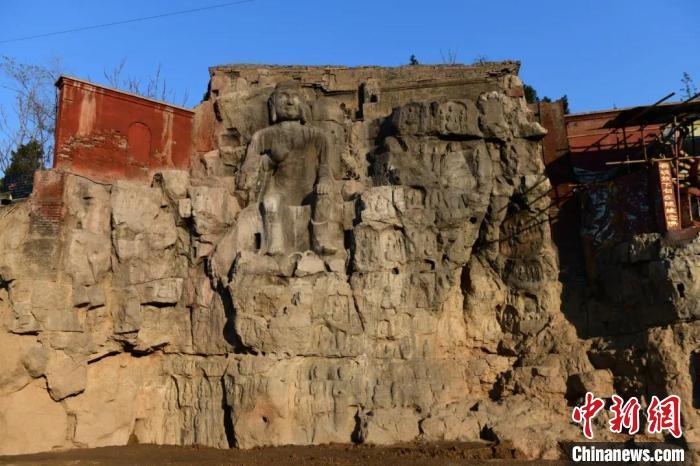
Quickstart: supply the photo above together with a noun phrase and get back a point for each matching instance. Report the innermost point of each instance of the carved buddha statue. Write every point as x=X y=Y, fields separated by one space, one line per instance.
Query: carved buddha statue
x=297 y=171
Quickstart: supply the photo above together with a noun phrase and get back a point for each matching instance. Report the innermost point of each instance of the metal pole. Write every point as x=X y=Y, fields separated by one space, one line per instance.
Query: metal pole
x=692 y=137
x=648 y=109
x=624 y=142
x=676 y=155
x=665 y=159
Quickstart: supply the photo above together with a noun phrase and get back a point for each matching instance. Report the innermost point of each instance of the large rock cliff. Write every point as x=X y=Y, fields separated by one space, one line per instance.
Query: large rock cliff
x=354 y=255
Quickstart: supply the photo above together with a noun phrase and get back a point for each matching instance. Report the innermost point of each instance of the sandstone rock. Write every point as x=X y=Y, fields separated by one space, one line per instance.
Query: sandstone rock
x=212 y=208
x=530 y=427
x=164 y=291
x=390 y=426
x=309 y=264
x=35 y=360
x=599 y=382
x=86 y=259
x=492 y=122
x=175 y=183
x=43 y=305
x=184 y=208
x=359 y=255
x=65 y=376
x=264 y=414
x=163 y=327
x=104 y=413
x=23 y=359
x=32 y=422
x=453 y=423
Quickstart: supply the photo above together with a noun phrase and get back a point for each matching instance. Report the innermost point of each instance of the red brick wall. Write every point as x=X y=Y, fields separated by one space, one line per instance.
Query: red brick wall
x=564 y=211
x=107 y=135
x=592 y=144
x=555 y=148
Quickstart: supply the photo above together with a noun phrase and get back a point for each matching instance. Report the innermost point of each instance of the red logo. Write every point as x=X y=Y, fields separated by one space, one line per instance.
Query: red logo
x=662 y=415
x=624 y=415
x=584 y=414
x=665 y=415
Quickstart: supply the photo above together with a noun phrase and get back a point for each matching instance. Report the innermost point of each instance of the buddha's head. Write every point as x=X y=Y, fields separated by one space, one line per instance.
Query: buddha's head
x=286 y=103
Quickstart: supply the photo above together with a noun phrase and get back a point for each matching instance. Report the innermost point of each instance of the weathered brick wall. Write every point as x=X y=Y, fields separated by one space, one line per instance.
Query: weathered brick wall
x=47 y=202
x=46 y=216
x=108 y=135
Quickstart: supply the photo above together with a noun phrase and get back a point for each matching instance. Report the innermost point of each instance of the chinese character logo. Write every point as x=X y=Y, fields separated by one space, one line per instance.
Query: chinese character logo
x=662 y=415
x=584 y=414
x=624 y=415
x=665 y=415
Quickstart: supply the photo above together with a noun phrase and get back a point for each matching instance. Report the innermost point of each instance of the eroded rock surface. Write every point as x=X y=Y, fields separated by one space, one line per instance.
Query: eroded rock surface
x=355 y=255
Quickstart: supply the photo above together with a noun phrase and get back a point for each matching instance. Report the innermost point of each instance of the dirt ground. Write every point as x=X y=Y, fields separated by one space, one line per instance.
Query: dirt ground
x=414 y=455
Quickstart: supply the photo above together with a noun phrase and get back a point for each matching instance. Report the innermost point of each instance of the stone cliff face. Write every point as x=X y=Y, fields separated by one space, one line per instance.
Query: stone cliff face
x=639 y=316
x=354 y=255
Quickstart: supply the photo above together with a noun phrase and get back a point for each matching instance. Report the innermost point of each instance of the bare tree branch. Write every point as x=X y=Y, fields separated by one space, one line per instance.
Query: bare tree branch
x=480 y=59
x=449 y=57
x=33 y=108
x=689 y=88
x=156 y=87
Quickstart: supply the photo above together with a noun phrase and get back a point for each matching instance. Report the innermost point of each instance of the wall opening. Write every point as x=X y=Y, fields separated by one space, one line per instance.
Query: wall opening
x=681 y=289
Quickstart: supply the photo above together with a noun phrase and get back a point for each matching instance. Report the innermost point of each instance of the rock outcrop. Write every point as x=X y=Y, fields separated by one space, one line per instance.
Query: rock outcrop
x=355 y=255
x=641 y=321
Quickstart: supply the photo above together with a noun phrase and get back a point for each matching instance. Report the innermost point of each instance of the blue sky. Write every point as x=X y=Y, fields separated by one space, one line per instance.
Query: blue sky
x=600 y=53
